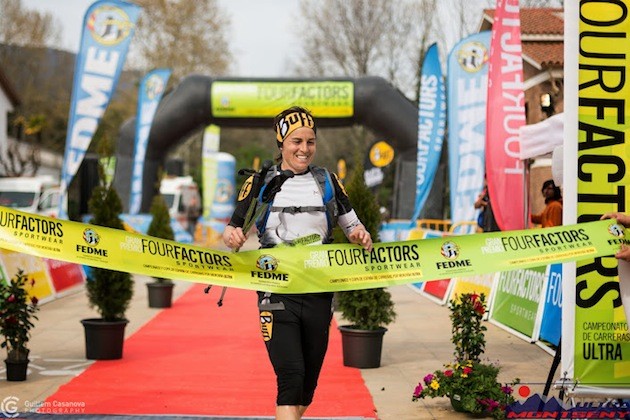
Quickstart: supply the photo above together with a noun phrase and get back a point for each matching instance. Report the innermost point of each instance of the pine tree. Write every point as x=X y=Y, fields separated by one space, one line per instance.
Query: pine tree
x=367 y=309
x=160 y=226
x=108 y=291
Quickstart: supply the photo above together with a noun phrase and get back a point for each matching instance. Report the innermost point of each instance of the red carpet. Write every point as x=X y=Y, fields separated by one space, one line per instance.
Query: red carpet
x=197 y=358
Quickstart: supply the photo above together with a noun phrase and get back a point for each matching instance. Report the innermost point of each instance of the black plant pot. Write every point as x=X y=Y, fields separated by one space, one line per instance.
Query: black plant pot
x=104 y=339
x=361 y=348
x=160 y=294
x=16 y=369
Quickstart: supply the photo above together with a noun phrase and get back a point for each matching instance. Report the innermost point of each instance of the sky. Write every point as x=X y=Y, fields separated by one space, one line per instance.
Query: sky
x=260 y=32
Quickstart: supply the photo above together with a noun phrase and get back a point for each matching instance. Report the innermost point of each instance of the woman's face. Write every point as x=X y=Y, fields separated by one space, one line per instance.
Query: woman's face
x=549 y=191
x=298 y=150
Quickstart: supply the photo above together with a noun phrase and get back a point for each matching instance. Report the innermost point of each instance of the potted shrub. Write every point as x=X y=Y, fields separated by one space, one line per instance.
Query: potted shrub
x=368 y=311
x=108 y=291
x=17 y=312
x=160 y=291
x=471 y=385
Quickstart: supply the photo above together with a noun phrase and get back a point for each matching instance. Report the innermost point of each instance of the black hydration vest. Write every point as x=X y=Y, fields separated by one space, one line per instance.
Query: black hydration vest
x=326 y=189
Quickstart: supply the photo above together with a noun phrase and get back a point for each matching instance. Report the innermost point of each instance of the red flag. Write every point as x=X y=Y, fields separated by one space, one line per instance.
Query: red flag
x=505 y=115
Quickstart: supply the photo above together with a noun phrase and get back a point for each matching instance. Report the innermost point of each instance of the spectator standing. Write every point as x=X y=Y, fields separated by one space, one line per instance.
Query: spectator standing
x=552 y=213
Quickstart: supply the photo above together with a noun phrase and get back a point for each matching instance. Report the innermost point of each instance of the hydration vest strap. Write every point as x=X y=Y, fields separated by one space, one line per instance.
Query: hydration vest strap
x=296 y=209
x=328 y=193
x=324 y=184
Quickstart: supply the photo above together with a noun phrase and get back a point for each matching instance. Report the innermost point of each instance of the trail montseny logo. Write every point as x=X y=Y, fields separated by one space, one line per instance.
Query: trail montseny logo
x=449 y=250
x=267 y=263
x=91 y=237
x=109 y=25
x=616 y=230
x=536 y=407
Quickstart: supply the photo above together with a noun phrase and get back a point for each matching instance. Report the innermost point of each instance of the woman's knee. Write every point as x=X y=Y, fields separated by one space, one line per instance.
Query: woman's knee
x=290 y=387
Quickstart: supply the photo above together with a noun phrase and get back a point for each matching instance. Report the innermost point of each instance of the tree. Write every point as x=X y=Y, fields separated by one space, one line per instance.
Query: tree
x=186 y=36
x=108 y=291
x=160 y=226
x=367 y=309
x=353 y=38
x=20 y=26
x=44 y=94
x=542 y=3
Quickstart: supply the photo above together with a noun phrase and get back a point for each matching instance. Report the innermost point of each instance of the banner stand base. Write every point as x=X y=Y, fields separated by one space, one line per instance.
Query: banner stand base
x=552 y=371
x=601 y=392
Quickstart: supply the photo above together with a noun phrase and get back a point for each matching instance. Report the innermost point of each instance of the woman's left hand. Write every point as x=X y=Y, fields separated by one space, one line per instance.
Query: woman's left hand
x=361 y=237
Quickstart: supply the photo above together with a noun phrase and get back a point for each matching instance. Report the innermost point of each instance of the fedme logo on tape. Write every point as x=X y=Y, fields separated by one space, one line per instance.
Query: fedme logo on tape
x=92 y=239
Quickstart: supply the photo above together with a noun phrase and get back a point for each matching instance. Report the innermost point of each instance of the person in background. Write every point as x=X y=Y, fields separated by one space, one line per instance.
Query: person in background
x=552 y=213
x=486 y=219
x=193 y=211
x=624 y=219
x=295 y=327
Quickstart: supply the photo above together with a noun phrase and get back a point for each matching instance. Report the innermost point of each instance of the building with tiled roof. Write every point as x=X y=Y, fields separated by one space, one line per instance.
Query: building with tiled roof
x=542 y=39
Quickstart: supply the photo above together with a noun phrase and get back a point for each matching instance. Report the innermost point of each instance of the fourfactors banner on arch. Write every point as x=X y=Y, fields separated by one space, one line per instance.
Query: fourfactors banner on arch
x=305 y=269
x=152 y=88
x=467 y=99
x=108 y=27
x=431 y=122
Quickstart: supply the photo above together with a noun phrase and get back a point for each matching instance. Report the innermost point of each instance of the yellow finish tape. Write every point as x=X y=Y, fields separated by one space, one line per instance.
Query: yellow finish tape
x=306 y=269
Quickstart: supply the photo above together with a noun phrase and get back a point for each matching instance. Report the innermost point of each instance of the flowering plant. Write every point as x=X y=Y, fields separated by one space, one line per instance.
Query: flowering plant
x=466 y=327
x=17 y=310
x=471 y=385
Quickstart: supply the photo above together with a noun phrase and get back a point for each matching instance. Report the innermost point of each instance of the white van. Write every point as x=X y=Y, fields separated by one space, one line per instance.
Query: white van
x=39 y=194
x=183 y=200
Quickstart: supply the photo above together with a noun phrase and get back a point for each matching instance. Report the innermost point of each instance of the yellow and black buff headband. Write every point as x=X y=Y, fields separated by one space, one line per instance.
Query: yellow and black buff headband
x=292 y=122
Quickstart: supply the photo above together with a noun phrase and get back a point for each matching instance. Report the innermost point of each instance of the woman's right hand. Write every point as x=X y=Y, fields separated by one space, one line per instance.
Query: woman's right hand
x=234 y=237
x=480 y=202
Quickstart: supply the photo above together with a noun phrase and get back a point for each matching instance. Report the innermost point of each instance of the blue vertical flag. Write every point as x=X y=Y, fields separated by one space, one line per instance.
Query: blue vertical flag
x=151 y=90
x=467 y=80
x=108 y=27
x=431 y=121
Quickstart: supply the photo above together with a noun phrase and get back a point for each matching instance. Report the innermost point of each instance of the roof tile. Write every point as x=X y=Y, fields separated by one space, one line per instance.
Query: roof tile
x=547 y=54
x=539 y=21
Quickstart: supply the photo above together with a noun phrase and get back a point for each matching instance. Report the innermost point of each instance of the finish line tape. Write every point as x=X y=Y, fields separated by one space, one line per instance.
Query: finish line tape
x=307 y=269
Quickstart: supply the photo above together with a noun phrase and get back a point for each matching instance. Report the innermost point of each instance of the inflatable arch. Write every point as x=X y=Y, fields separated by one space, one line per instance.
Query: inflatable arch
x=239 y=102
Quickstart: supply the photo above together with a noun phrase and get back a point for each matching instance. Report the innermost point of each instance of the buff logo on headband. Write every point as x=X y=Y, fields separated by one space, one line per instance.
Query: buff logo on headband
x=292 y=122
